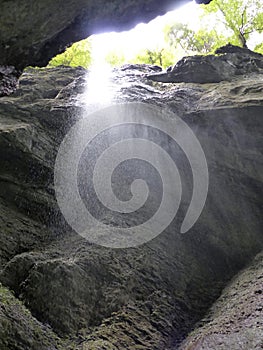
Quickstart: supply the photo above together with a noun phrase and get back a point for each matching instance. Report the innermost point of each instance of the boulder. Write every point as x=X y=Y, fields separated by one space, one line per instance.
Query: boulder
x=231 y=61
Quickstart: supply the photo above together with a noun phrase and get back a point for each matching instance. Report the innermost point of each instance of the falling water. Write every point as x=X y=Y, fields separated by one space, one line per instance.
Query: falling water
x=99 y=88
x=122 y=178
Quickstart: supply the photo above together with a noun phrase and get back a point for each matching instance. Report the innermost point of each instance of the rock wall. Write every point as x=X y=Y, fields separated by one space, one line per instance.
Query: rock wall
x=235 y=320
x=77 y=294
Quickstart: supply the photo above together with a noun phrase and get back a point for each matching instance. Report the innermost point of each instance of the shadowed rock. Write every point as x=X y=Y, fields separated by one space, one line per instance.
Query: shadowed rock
x=235 y=320
x=8 y=80
x=229 y=48
x=212 y=69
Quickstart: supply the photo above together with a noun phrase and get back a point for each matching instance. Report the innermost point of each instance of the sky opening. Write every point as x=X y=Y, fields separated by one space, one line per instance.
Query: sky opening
x=144 y=35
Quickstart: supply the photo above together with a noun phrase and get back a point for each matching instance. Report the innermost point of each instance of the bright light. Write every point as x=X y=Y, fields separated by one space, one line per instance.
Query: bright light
x=99 y=89
x=144 y=36
x=151 y=36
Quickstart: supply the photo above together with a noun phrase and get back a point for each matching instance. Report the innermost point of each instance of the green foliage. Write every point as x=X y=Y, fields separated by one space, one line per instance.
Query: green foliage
x=79 y=54
x=162 y=57
x=242 y=17
x=190 y=41
x=169 y=57
x=208 y=41
x=179 y=34
x=259 y=48
x=150 y=57
x=115 y=59
x=237 y=19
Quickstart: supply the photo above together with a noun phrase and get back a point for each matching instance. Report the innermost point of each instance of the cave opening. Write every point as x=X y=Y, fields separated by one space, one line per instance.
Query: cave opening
x=145 y=43
x=187 y=30
x=96 y=158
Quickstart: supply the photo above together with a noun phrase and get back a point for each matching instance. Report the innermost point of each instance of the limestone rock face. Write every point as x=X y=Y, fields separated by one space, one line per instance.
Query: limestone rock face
x=147 y=297
x=31 y=33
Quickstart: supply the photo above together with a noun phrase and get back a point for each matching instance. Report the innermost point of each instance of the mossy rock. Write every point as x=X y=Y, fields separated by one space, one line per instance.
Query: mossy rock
x=19 y=330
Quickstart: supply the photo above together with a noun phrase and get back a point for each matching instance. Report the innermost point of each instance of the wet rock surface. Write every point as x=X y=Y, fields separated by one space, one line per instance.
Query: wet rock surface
x=149 y=297
x=19 y=330
x=235 y=321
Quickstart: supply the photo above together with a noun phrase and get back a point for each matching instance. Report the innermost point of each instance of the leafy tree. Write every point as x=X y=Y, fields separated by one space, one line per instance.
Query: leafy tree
x=169 y=57
x=79 y=54
x=162 y=57
x=179 y=34
x=208 y=41
x=259 y=48
x=190 y=41
x=241 y=17
x=115 y=58
x=150 y=57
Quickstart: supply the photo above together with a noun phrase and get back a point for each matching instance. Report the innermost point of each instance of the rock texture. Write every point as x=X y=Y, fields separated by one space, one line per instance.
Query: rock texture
x=19 y=330
x=212 y=69
x=149 y=297
x=31 y=33
x=236 y=319
x=8 y=80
